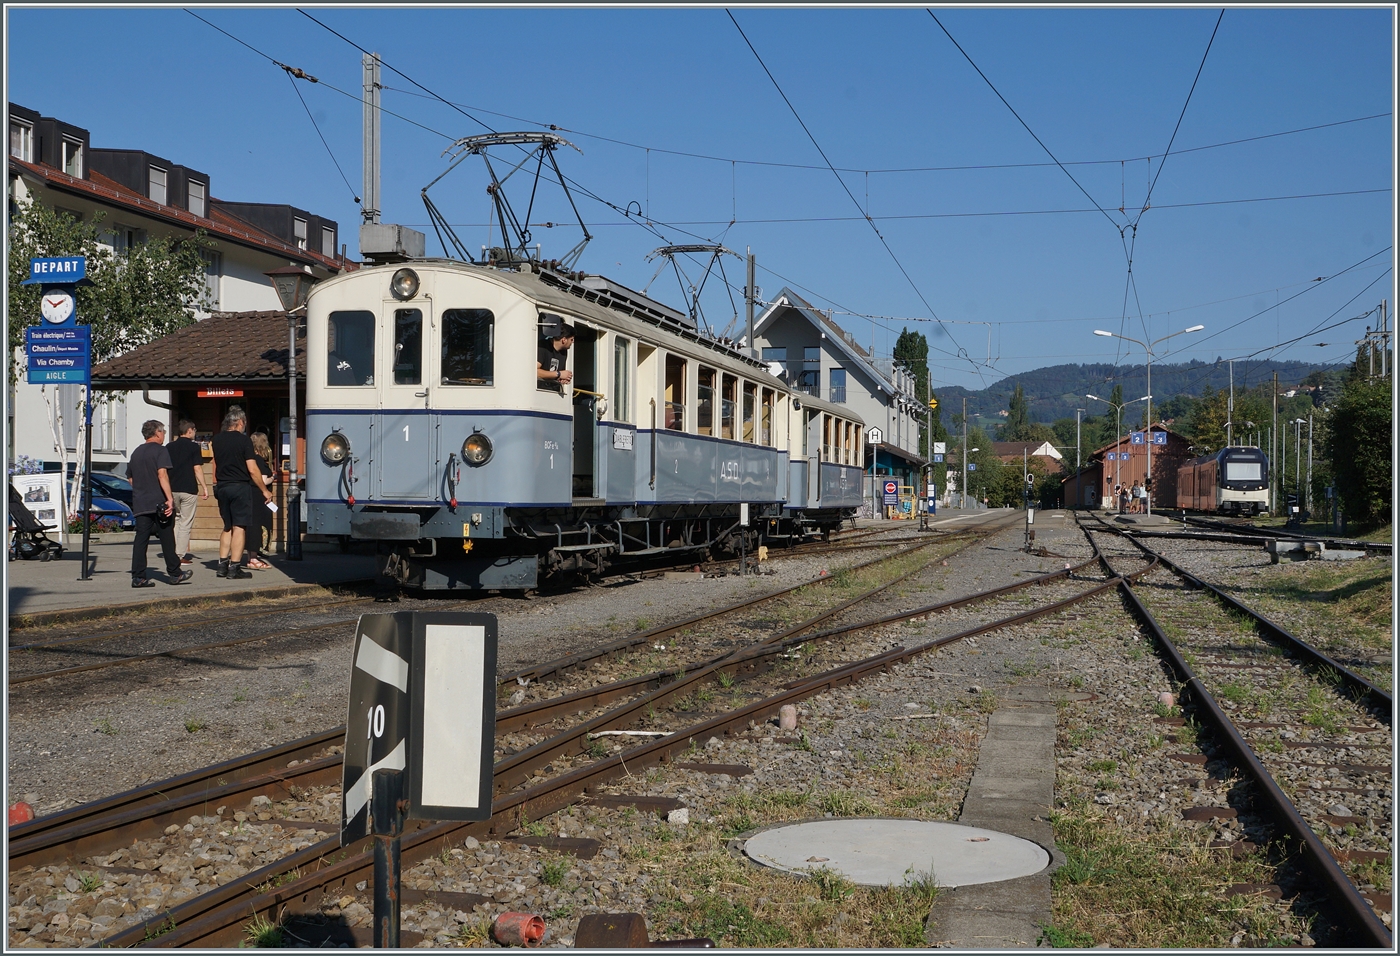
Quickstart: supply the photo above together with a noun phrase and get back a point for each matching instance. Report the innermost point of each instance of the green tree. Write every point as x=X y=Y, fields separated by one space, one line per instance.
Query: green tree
x=911 y=352
x=133 y=297
x=1358 y=443
x=1017 y=426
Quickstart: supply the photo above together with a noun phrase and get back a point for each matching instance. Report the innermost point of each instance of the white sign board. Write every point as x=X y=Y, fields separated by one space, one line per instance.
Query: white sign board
x=875 y=435
x=422 y=700
x=42 y=497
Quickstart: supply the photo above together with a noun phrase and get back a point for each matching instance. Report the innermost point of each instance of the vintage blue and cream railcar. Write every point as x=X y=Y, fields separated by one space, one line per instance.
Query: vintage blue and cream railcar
x=1234 y=480
x=437 y=442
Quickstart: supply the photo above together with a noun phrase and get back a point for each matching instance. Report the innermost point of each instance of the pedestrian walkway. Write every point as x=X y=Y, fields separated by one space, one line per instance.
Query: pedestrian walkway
x=42 y=591
x=1012 y=791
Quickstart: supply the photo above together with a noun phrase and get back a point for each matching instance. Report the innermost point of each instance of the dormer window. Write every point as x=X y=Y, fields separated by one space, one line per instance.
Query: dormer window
x=21 y=141
x=197 y=193
x=299 y=231
x=73 y=157
x=156 y=184
x=328 y=241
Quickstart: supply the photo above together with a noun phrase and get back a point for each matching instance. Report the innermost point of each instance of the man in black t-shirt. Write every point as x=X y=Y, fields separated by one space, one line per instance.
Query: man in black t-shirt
x=149 y=471
x=237 y=483
x=550 y=373
x=186 y=484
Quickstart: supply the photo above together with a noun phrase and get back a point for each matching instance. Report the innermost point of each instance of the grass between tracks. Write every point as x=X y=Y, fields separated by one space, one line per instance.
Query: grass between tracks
x=1150 y=887
x=915 y=770
x=1348 y=601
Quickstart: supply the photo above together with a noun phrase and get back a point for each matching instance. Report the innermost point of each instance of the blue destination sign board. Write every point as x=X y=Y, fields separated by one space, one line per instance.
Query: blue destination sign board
x=1138 y=438
x=57 y=270
x=1159 y=438
x=58 y=354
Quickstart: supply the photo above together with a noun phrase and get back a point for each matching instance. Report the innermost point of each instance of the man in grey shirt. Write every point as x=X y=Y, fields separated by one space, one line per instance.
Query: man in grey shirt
x=154 y=507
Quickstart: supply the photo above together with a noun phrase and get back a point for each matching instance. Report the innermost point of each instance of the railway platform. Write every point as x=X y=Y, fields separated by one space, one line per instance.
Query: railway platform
x=50 y=592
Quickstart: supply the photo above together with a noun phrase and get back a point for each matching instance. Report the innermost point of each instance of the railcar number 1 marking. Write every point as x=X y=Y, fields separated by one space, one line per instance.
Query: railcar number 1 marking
x=405 y=433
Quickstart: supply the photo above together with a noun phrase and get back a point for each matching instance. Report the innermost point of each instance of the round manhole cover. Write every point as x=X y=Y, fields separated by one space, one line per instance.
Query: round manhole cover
x=891 y=852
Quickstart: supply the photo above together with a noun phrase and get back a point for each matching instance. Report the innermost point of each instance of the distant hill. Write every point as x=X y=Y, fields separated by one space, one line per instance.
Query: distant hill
x=1057 y=390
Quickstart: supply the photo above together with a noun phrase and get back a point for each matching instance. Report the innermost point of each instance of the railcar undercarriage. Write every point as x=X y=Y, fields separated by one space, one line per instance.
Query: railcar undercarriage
x=536 y=546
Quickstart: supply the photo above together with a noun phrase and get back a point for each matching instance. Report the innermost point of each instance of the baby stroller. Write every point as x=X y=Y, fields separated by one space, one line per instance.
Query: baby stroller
x=30 y=541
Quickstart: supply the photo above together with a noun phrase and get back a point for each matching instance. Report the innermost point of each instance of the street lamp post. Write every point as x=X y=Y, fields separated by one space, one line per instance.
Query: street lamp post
x=1148 y=347
x=1119 y=406
x=292 y=284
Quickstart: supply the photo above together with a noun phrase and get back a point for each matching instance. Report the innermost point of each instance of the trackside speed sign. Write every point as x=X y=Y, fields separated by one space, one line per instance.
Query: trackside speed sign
x=422 y=701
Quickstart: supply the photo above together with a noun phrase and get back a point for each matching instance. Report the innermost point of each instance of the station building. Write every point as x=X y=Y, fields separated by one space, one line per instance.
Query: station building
x=821 y=359
x=1124 y=462
x=142 y=196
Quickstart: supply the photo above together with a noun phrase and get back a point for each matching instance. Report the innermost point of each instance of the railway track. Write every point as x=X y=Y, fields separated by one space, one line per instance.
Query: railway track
x=77 y=651
x=1312 y=737
x=193 y=917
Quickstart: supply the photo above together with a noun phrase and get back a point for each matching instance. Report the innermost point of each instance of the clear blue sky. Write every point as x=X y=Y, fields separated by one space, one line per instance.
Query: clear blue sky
x=880 y=90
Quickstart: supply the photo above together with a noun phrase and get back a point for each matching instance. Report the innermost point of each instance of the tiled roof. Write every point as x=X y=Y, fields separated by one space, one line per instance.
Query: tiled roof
x=219 y=224
x=227 y=347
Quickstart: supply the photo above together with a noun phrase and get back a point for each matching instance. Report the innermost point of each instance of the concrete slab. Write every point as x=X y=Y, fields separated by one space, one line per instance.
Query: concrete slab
x=888 y=852
x=1145 y=521
x=1011 y=791
x=37 y=589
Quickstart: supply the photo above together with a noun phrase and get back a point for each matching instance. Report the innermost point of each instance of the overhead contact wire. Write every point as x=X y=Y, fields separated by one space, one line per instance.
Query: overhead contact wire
x=846 y=189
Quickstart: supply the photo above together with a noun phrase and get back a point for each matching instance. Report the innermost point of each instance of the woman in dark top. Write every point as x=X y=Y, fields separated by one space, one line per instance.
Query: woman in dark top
x=263 y=540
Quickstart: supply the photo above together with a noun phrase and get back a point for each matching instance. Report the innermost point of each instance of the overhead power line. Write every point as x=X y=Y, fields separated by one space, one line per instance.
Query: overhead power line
x=961 y=351
x=1147 y=201
x=966 y=167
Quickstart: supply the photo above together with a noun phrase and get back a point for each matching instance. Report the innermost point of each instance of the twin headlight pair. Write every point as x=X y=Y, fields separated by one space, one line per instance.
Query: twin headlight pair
x=476 y=450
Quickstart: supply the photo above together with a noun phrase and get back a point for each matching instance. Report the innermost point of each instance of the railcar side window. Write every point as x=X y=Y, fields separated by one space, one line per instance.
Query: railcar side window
x=766 y=419
x=705 y=406
x=846 y=449
x=826 y=438
x=350 y=348
x=750 y=399
x=728 y=386
x=622 y=380
x=408 y=347
x=468 y=347
x=675 y=392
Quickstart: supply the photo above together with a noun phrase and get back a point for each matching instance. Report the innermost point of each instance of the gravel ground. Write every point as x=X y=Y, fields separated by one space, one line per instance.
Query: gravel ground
x=1138 y=873
x=91 y=735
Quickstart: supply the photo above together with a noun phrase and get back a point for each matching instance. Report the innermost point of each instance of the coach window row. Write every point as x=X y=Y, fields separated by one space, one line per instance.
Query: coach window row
x=842 y=443
x=467 y=358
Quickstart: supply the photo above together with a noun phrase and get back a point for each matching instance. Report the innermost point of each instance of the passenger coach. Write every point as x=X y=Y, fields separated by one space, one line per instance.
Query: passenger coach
x=437 y=443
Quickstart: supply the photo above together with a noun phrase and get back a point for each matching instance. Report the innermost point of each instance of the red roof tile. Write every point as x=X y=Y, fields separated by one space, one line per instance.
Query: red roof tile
x=237 y=347
x=219 y=224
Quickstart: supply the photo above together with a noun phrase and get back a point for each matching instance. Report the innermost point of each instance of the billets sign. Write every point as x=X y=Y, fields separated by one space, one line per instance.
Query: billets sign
x=891 y=493
x=423 y=701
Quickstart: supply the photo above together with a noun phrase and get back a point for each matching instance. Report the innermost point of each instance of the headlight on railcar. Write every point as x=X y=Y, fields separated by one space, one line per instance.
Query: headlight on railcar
x=404 y=284
x=476 y=450
x=335 y=448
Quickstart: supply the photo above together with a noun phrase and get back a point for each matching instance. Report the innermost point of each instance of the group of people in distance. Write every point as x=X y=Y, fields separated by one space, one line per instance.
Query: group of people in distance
x=167 y=482
x=1131 y=501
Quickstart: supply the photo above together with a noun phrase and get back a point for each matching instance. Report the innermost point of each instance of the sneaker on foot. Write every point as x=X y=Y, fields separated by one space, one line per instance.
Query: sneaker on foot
x=145 y=582
x=236 y=572
x=182 y=578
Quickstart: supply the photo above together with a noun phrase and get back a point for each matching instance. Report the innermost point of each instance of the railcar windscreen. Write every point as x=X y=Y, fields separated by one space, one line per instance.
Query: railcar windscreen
x=1244 y=471
x=468 y=356
x=350 y=348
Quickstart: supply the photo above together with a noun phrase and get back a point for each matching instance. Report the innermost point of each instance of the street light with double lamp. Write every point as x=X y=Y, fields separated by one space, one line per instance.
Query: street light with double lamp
x=1148 y=347
x=1119 y=406
x=292 y=284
